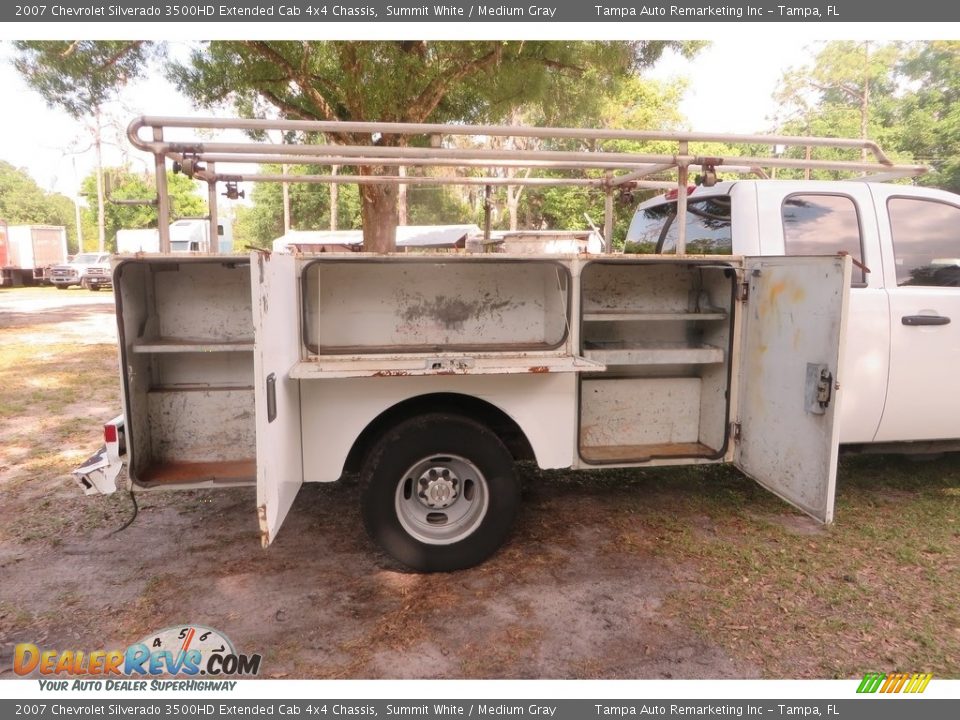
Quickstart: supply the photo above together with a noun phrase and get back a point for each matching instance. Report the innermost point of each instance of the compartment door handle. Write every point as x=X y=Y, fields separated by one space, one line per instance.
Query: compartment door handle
x=271 y=397
x=925 y=320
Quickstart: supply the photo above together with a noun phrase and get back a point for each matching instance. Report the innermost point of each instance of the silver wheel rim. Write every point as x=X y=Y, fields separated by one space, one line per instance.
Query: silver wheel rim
x=441 y=499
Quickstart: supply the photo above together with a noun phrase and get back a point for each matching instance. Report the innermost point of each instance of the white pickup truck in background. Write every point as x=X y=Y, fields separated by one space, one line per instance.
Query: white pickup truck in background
x=903 y=335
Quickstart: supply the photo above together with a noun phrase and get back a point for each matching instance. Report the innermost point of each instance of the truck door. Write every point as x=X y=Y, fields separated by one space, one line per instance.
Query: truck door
x=792 y=327
x=923 y=284
x=277 y=395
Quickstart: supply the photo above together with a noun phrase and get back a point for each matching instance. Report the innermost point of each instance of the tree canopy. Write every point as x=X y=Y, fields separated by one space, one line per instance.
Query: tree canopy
x=561 y=82
x=409 y=81
x=906 y=96
x=23 y=202
x=80 y=76
x=931 y=110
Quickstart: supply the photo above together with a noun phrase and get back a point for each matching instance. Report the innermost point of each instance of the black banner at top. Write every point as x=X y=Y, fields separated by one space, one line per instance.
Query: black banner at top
x=468 y=11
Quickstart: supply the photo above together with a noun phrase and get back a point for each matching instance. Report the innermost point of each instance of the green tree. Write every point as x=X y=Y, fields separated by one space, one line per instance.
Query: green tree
x=185 y=201
x=408 y=81
x=638 y=104
x=905 y=96
x=262 y=222
x=930 y=110
x=81 y=77
x=850 y=89
x=23 y=202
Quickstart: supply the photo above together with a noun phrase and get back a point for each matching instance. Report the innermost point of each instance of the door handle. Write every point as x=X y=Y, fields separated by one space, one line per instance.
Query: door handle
x=925 y=320
x=271 y=397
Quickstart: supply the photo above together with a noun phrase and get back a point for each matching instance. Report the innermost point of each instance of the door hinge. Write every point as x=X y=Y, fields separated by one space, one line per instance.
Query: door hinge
x=743 y=292
x=736 y=431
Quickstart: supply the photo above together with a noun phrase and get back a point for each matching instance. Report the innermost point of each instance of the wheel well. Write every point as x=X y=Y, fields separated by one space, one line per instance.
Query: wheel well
x=480 y=410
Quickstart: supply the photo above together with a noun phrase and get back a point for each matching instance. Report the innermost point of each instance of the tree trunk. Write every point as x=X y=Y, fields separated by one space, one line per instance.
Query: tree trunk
x=379 y=210
x=865 y=99
x=513 y=202
x=334 y=198
x=402 y=198
x=101 y=217
x=286 y=201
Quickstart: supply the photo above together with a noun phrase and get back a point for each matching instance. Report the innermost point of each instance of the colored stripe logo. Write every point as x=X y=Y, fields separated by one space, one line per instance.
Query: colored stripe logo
x=894 y=682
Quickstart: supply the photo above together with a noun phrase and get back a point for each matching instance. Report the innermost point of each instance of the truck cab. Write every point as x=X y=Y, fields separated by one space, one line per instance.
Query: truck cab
x=901 y=342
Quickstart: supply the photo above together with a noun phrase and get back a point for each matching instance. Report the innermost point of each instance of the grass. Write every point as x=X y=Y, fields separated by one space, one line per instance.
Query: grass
x=53 y=396
x=878 y=590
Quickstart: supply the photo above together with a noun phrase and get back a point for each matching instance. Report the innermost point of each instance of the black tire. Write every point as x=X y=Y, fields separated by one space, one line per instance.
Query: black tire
x=489 y=502
x=93 y=288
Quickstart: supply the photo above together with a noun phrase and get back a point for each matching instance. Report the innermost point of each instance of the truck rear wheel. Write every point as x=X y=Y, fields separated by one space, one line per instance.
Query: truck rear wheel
x=439 y=493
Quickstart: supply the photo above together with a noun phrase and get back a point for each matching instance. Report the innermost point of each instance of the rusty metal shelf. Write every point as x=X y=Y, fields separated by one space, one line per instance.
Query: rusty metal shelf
x=192 y=345
x=349 y=366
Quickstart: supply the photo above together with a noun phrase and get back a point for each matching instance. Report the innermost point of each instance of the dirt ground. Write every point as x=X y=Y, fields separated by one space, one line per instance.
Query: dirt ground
x=686 y=573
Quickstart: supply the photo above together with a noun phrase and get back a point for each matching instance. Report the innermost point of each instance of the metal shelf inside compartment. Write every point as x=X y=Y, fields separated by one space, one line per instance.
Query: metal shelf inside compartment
x=613 y=315
x=619 y=352
x=184 y=345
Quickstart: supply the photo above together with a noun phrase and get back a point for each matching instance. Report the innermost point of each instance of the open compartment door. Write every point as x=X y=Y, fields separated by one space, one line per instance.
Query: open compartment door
x=276 y=350
x=794 y=322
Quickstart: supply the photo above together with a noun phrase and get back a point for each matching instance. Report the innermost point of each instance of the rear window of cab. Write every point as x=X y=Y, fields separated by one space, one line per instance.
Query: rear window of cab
x=708 y=228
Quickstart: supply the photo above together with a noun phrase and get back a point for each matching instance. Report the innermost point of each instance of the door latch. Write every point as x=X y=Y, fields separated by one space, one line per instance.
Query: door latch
x=819 y=388
x=824 y=388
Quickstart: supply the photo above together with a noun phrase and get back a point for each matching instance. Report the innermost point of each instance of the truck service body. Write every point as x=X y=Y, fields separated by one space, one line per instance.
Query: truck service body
x=432 y=374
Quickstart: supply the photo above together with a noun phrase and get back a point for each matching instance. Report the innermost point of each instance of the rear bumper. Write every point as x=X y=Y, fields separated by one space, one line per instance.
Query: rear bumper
x=98 y=474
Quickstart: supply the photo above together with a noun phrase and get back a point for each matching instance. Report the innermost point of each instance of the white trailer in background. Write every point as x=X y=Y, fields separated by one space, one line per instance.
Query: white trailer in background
x=432 y=374
x=186 y=235
x=27 y=252
x=146 y=240
x=193 y=235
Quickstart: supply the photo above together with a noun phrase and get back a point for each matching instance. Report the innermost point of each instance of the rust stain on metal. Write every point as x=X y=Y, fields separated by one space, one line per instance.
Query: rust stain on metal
x=452 y=312
x=391 y=373
x=539 y=369
x=776 y=290
x=187 y=472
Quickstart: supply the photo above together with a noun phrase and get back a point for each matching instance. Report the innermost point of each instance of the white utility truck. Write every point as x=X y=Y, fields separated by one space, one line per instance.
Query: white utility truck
x=432 y=374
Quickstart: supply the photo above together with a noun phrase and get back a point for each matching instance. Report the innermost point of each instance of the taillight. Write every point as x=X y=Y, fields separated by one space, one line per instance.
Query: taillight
x=110 y=433
x=672 y=194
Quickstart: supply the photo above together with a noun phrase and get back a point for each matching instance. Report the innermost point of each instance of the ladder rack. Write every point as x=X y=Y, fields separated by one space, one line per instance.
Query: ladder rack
x=369 y=146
